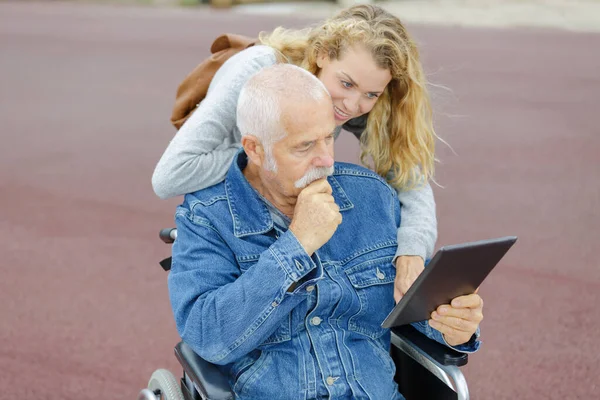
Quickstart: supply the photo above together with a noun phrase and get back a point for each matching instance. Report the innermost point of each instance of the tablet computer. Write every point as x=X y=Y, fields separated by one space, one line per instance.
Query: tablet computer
x=454 y=271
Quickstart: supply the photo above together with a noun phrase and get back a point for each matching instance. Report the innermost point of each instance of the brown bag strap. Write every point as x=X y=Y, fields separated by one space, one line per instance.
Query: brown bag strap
x=192 y=90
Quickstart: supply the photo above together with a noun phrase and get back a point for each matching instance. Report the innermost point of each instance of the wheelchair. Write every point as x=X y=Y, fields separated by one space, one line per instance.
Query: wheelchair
x=425 y=369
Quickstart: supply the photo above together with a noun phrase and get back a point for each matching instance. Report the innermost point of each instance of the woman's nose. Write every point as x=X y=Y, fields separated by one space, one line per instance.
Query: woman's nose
x=351 y=104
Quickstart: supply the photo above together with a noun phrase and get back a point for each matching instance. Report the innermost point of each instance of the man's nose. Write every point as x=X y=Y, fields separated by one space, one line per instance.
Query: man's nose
x=324 y=157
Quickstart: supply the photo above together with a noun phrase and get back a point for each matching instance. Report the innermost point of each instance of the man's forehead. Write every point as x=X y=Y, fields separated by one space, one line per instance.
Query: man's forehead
x=310 y=136
x=308 y=122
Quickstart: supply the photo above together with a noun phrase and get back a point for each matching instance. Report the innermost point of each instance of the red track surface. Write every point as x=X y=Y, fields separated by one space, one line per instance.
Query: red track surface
x=85 y=97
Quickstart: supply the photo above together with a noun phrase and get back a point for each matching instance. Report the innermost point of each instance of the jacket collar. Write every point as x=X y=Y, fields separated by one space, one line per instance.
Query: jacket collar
x=249 y=213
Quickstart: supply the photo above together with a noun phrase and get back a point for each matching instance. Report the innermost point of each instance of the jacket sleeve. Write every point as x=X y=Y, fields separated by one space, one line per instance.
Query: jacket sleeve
x=222 y=313
x=200 y=153
x=470 y=347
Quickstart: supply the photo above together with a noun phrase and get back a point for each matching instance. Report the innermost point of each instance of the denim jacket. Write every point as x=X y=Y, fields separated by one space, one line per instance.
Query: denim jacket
x=231 y=271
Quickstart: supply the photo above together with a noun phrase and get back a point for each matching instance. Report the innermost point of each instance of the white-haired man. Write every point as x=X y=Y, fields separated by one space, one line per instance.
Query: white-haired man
x=283 y=273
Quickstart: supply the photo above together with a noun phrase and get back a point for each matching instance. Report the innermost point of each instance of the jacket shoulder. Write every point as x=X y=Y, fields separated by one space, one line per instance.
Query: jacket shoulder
x=196 y=201
x=361 y=176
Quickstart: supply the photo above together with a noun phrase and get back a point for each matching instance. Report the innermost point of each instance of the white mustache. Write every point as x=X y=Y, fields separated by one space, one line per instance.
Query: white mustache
x=312 y=175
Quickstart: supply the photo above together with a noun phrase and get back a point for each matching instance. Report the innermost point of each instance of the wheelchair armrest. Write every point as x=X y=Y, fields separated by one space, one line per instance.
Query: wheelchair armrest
x=208 y=379
x=437 y=351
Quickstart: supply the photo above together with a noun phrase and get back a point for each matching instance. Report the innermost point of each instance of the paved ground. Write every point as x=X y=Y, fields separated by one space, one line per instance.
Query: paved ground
x=574 y=15
x=85 y=96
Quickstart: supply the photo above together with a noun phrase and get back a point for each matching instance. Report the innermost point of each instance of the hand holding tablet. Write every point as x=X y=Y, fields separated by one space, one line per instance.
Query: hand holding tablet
x=454 y=271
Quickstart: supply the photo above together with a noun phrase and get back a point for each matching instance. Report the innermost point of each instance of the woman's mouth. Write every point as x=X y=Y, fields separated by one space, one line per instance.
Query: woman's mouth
x=340 y=115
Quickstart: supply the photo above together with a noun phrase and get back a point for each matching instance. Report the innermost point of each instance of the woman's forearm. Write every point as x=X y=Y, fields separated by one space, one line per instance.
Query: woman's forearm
x=201 y=152
x=418 y=225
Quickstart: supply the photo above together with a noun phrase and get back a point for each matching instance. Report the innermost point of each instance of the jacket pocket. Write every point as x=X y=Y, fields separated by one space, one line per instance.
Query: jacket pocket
x=283 y=333
x=373 y=283
x=252 y=373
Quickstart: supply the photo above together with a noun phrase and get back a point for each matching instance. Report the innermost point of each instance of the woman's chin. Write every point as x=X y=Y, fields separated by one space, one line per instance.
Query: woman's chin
x=339 y=121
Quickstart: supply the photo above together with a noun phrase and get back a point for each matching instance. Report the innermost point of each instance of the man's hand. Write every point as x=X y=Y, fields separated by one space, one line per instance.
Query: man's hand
x=459 y=320
x=316 y=216
x=408 y=269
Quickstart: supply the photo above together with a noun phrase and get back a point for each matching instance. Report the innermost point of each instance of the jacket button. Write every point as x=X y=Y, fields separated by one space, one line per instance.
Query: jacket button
x=310 y=288
x=315 y=321
x=331 y=380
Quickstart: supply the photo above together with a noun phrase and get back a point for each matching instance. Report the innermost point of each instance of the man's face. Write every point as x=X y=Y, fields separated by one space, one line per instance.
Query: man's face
x=306 y=153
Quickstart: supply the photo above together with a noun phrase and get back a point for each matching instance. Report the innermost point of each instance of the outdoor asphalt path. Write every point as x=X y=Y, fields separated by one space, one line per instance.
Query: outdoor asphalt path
x=86 y=94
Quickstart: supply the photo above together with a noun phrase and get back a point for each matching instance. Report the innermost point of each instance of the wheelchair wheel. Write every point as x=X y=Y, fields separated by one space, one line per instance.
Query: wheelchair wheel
x=165 y=385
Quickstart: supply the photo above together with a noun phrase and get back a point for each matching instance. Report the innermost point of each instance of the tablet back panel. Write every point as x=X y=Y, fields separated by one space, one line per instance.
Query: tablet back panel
x=454 y=271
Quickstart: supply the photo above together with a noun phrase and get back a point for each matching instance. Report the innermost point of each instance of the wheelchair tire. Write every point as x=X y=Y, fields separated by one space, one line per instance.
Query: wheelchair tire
x=164 y=381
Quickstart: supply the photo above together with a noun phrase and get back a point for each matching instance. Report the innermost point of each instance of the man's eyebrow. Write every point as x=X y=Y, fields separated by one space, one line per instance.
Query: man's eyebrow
x=305 y=143
x=355 y=84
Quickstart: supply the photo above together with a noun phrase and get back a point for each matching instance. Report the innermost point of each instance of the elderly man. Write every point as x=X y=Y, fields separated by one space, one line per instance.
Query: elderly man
x=283 y=273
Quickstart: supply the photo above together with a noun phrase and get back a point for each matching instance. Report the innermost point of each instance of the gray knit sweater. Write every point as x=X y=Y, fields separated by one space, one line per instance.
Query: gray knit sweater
x=200 y=154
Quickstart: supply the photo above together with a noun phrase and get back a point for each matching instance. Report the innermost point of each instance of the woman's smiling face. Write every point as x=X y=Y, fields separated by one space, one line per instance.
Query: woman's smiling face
x=354 y=82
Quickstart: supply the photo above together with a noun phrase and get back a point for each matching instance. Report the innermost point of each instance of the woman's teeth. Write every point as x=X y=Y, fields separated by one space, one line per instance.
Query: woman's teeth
x=343 y=114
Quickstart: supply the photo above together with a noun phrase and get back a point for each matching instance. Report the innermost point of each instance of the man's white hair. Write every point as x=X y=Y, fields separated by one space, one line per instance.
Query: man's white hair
x=259 y=107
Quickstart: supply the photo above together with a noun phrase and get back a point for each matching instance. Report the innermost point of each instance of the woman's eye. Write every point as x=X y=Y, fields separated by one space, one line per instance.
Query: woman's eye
x=347 y=85
x=372 y=96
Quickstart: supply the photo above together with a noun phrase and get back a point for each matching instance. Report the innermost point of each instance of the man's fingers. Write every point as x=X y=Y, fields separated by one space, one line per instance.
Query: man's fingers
x=468 y=301
x=458 y=324
x=445 y=329
x=339 y=218
x=322 y=198
x=447 y=310
x=319 y=186
x=452 y=336
x=463 y=313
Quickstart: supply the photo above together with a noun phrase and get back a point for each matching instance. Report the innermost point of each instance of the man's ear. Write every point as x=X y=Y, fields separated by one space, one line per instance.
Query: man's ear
x=253 y=149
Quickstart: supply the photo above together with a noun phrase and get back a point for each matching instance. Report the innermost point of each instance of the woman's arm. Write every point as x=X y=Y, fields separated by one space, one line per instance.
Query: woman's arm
x=416 y=236
x=417 y=233
x=200 y=153
x=418 y=225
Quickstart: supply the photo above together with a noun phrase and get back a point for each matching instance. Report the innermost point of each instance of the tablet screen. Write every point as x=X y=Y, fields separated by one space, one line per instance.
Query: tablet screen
x=454 y=271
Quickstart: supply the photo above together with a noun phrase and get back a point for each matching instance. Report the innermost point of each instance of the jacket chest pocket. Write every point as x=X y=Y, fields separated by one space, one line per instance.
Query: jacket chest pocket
x=283 y=332
x=373 y=283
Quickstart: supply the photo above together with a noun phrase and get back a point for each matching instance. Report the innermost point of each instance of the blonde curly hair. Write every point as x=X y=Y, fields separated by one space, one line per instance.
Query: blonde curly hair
x=399 y=137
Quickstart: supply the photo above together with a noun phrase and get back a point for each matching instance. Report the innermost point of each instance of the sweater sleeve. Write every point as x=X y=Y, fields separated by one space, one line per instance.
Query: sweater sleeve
x=418 y=223
x=200 y=153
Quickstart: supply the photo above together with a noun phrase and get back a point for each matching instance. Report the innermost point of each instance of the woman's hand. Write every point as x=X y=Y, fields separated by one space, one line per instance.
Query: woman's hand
x=408 y=269
x=459 y=320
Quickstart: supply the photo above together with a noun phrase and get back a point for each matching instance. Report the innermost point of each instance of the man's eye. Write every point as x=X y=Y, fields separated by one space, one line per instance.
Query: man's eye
x=347 y=85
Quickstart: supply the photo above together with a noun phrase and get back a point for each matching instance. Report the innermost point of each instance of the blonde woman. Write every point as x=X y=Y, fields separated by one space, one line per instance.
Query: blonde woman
x=370 y=66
